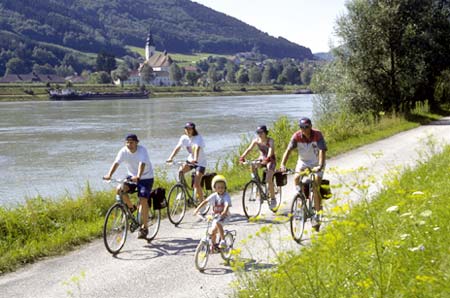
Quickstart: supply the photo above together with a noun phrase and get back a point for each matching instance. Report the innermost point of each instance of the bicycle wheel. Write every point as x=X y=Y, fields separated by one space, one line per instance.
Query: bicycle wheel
x=205 y=208
x=154 y=220
x=176 y=204
x=115 y=228
x=251 y=199
x=201 y=255
x=226 y=252
x=278 y=196
x=298 y=218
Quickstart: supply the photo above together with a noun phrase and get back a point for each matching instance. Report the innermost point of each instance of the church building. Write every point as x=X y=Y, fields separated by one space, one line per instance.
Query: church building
x=159 y=62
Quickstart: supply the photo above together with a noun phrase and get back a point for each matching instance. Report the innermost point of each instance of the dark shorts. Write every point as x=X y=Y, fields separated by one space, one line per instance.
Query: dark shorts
x=144 y=188
x=198 y=169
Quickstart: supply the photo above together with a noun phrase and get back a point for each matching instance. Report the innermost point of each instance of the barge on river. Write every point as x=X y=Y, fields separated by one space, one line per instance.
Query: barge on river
x=69 y=94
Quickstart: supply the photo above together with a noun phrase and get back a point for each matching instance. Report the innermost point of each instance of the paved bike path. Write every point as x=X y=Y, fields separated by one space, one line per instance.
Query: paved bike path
x=165 y=267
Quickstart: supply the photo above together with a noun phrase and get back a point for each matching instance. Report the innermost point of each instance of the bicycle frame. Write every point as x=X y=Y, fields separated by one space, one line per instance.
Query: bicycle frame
x=204 y=246
x=302 y=208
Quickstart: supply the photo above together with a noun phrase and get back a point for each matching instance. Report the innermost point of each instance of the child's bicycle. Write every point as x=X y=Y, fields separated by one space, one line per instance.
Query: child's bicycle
x=119 y=218
x=256 y=191
x=206 y=246
x=302 y=208
x=181 y=194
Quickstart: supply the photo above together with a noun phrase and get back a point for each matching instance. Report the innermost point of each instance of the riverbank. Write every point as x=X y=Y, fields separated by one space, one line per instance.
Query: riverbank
x=394 y=245
x=45 y=226
x=38 y=92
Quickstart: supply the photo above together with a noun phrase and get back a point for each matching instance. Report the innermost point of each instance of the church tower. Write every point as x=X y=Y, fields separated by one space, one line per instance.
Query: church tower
x=149 y=46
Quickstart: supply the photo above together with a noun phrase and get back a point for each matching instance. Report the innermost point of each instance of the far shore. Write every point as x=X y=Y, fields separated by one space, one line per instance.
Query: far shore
x=39 y=92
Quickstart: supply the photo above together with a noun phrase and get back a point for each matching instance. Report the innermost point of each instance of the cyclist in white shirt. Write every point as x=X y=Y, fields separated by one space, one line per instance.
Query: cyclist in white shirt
x=195 y=146
x=140 y=169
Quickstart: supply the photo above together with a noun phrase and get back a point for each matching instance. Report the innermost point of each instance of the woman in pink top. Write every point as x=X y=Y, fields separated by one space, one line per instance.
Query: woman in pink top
x=266 y=147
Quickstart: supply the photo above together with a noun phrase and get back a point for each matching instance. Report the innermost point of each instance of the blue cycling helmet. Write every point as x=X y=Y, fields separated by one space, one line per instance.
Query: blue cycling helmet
x=304 y=122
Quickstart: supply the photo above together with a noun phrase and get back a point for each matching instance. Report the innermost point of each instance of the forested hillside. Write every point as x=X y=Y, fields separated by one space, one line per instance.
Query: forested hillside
x=91 y=25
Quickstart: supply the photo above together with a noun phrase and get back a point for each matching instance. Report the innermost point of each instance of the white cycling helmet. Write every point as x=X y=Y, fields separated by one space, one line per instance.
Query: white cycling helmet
x=218 y=178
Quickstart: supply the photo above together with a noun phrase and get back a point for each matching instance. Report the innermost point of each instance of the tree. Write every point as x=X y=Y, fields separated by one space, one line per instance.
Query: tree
x=43 y=69
x=175 y=73
x=101 y=77
x=105 y=62
x=213 y=76
x=42 y=56
x=230 y=72
x=291 y=73
x=254 y=74
x=121 y=73
x=16 y=66
x=64 y=70
x=191 y=77
x=147 y=73
x=242 y=76
x=394 y=50
x=268 y=74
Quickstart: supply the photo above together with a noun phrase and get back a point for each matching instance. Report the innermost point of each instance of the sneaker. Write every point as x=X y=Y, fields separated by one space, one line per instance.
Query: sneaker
x=142 y=233
x=273 y=203
x=315 y=222
x=223 y=244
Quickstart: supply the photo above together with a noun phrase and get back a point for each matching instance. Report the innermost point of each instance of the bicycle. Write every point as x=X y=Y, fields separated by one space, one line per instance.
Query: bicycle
x=206 y=246
x=181 y=194
x=119 y=218
x=302 y=208
x=256 y=191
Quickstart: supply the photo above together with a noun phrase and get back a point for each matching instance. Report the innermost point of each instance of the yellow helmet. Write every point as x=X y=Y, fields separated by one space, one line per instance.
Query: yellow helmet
x=218 y=178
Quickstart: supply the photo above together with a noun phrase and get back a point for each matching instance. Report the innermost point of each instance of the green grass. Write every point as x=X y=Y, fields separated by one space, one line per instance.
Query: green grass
x=395 y=245
x=43 y=226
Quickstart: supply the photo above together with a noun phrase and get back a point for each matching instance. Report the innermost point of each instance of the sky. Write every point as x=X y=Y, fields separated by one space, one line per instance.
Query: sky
x=308 y=23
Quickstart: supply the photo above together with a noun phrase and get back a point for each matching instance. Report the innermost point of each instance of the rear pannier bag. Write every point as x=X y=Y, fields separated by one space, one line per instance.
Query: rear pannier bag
x=280 y=178
x=158 y=197
x=325 y=190
x=207 y=179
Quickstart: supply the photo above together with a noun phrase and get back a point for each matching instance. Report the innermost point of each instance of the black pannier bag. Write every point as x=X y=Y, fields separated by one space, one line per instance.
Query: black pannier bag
x=280 y=178
x=158 y=197
x=207 y=179
x=325 y=190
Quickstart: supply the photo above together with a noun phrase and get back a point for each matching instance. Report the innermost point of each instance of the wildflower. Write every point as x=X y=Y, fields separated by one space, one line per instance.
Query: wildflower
x=406 y=214
x=417 y=248
x=436 y=228
x=421 y=223
x=392 y=209
x=417 y=193
x=426 y=213
x=404 y=236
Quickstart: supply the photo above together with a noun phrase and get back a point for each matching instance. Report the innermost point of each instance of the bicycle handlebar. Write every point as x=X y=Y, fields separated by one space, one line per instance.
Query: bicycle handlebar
x=179 y=163
x=119 y=181
x=252 y=162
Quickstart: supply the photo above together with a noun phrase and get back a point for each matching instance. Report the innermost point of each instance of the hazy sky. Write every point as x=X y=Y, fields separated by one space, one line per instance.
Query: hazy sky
x=306 y=22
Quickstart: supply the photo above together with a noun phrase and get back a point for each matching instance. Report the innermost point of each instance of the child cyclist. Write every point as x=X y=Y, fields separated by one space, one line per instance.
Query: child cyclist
x=220 y=202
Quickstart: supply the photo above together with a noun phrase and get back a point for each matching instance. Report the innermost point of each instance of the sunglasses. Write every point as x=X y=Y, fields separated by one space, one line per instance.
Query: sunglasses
x=304 y=126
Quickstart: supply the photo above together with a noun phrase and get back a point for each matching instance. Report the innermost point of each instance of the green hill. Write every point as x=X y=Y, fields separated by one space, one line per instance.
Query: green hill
x=179 y=26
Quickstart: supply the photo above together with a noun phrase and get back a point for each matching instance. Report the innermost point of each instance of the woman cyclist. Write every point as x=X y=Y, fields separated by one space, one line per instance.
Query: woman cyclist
x=195 y=146
x=266 y=147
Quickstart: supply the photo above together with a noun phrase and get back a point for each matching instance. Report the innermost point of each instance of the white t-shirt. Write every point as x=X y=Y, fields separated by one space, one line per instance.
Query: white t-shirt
x=189 y=143
x=132 y=160
x=219 y=202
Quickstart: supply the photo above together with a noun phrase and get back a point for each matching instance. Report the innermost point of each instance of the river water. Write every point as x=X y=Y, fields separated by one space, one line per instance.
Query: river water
x=54 y=149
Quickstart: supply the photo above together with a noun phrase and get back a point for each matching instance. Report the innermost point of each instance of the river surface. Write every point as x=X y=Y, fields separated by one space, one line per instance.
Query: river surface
x=54 y=149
